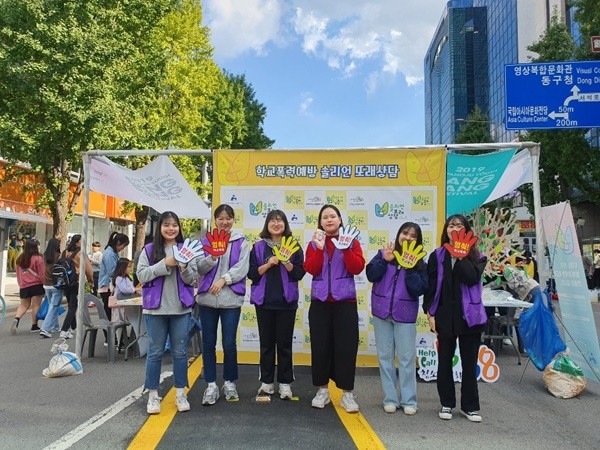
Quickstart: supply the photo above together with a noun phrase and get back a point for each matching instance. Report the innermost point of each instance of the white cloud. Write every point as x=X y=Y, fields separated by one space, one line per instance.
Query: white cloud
x=307 y=100
x=390 y=34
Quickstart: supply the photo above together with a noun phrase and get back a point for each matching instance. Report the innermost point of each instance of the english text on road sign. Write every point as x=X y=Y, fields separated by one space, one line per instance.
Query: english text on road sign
x=552 y=95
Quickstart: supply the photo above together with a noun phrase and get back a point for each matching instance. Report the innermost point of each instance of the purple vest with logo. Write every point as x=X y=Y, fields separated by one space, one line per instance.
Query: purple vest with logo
x=389 y=296
x=473 y=309
x=257 y=291
x=152 y=290
x=234 y=256
x=333 y=278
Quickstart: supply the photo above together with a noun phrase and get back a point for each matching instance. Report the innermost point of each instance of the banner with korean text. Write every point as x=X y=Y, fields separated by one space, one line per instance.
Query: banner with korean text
x=376 y=190
x=575 y=307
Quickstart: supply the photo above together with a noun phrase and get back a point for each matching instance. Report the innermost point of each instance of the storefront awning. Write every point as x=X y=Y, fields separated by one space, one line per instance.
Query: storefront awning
x=4 y=214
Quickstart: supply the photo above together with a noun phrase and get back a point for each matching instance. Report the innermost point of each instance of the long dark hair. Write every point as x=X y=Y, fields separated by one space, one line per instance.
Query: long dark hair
x=337 y=211
x=52 y=252
x=121 y=269
x=116 y=238
x=407 y=226
x=72 y=247
x=158 y=246
x=275 y=214
x=474 y=252
x=30 y=249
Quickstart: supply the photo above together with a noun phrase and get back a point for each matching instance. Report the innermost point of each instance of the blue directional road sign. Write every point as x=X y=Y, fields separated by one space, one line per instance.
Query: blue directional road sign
x=552 y=95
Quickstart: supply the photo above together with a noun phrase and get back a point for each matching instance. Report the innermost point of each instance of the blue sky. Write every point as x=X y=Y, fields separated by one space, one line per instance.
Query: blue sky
x=331 y=74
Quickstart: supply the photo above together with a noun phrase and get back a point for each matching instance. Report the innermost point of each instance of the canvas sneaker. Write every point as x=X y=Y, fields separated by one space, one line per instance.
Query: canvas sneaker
x=389 y=408
x=14 y=325
x=445 y=413
x=266 y=388
x=211 y=395
x=182 y=403
x=230 y=392
x=348 y=402
x=321 y=399
x=45 y=334
x=153 y=406
x=66 y=334
x=473 y=416
x=34 y=328
x=285 y=391
x=410 y=410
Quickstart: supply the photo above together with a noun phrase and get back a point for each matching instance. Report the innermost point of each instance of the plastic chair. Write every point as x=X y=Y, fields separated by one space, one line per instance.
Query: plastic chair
x=102 y=323
x=500 y=328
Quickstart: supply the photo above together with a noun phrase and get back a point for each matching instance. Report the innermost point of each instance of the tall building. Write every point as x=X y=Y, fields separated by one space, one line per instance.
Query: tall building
x=464 y=65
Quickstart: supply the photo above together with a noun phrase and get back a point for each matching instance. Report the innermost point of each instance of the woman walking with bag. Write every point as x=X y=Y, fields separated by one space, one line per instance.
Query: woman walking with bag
x=53 y=296
x=30 y=275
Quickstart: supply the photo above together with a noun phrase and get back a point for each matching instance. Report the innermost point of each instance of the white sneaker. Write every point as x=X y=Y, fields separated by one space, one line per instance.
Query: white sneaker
x=230 y=391
x=410 y=410
x=285 y=391
x=182 y=403
x=321 y=399
x=445 y=413
x=389 y=408
x=153 y=406
x=66 y=334
x=349 y=403
x=211 y=395
x=266 y=388
x=473 y=416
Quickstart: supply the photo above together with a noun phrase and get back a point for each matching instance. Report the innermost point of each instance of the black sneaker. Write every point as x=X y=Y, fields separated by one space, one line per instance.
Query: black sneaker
x=445 y=413
x=14 y=326
x=35 y=328
x=473 y=416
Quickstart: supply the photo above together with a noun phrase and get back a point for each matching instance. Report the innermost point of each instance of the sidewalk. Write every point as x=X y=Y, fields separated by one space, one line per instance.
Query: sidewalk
x=11 y=295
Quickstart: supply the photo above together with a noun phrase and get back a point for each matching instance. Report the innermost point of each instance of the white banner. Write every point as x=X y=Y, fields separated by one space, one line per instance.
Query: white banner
x=517 y=173
x=158 y=185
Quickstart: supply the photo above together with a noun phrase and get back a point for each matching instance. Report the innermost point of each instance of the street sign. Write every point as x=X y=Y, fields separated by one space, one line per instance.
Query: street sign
x=552 y=95
x=595 y=44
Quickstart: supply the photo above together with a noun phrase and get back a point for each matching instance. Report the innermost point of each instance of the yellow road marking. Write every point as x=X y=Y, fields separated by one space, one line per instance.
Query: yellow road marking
x=156 y=426
x=359 y=429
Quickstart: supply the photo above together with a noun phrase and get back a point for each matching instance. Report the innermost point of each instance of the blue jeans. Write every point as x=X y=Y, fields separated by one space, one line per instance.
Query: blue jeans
x=209 y=319
x=54 y=298
x=176 y=326
x=397 y=339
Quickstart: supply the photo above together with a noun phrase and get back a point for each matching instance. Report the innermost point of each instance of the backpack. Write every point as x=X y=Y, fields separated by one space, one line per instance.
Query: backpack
x=64 y=274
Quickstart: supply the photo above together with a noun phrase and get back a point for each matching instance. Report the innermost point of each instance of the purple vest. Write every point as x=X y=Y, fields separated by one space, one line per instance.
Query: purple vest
x=333 y=278
x=389 y=296
x=473 y=309
x=257 y=291
x=234 y=256
x=152 y=290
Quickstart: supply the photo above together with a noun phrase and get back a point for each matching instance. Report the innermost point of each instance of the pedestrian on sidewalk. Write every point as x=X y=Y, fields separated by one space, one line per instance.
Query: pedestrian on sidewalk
x=96 y=259
x=30 y=275
x=116 y=242
x=73 y=251
x=53 y=296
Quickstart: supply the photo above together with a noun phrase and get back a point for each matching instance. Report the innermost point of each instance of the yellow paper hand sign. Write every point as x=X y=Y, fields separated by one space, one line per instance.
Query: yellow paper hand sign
x=411 y=254
x=286 y=249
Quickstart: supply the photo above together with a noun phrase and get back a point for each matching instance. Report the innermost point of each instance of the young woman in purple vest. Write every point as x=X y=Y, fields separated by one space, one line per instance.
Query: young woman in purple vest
x=395 y=306
x=333 y=316
x=454 y=310
x=167 y=300
x=221 y=290
x=274 y=292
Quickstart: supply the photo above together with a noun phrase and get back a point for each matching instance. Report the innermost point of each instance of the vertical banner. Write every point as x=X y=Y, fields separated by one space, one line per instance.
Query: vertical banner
x=575 y=306
x=376 y=190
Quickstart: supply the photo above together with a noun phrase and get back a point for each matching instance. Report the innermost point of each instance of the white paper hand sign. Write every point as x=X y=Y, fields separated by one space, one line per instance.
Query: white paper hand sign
x=345 y=237
x=188 y=251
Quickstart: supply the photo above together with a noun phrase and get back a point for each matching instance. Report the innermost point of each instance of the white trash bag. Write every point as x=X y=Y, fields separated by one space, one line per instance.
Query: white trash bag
x=63 y=363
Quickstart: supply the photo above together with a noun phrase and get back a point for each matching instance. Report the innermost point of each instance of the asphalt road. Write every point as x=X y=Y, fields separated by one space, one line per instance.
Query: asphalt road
x=102 y=408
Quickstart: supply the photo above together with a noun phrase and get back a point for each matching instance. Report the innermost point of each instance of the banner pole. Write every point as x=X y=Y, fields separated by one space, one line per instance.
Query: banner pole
x=543 y=268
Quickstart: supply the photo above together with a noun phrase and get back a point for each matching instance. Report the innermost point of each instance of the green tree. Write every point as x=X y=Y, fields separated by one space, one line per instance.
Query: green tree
x=63 y=65
x=567 y=161
x=475 y=128
x=588 y=18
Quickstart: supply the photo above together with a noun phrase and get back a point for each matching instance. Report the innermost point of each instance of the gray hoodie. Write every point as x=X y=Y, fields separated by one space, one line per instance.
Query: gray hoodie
x=226 y=298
